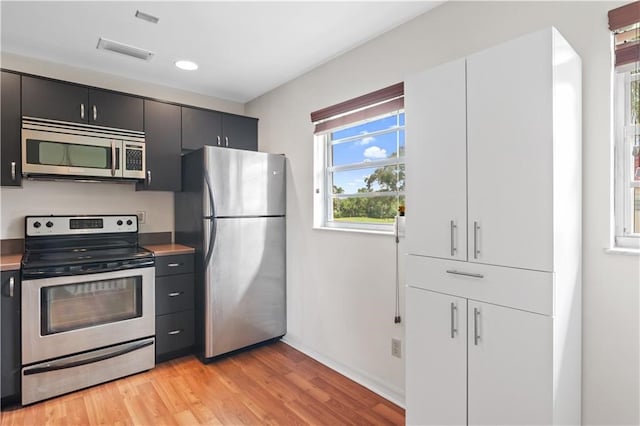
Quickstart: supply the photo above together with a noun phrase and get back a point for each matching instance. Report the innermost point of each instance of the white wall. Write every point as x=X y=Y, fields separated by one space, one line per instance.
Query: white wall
x=37 y=197
x=44 y=198
x=340 y=285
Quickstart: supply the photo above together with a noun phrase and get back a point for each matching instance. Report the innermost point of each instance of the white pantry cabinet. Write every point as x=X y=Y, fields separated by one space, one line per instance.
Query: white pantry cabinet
x=493 y=165
x=482 y=159
x=500 y=357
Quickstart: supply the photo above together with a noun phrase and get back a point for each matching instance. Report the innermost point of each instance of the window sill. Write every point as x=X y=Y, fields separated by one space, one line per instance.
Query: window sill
x=625 y=251
x=355 y=231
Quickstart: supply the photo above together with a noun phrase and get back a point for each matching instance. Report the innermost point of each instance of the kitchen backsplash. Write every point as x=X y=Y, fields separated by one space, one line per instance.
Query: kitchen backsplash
x=54 y=197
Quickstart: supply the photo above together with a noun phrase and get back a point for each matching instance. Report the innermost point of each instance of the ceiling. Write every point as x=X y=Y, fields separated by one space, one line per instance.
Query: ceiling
x=244 y=49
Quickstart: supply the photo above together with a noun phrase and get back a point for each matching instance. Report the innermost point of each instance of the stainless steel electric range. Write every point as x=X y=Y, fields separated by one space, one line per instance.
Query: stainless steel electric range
x=88 y=303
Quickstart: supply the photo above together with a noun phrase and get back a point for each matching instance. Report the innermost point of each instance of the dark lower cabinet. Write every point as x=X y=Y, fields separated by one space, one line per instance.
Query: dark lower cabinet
x=10 y=155
x=162 y=136
x=175 y=314
x=10 y=330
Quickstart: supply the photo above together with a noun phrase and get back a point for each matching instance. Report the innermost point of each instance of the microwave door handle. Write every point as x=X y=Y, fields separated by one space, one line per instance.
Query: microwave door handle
x=113 y=158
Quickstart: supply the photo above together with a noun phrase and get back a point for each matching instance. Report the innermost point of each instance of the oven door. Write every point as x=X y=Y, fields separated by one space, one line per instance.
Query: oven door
x=67 y=315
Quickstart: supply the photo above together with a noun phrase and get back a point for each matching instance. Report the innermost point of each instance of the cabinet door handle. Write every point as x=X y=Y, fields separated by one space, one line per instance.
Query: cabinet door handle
x=148 y=177
x=226 y=141
x=12 y=286
x=476 y=233
x=453 y=243
x=466 y=274
x=95 y=113
x=173 y=265
x=476 y=326
x=175 y=294
x=13 y=171
x=82 y=111
x=113 y=158
x=218 y=140
x=174 y=332
x=454 y=329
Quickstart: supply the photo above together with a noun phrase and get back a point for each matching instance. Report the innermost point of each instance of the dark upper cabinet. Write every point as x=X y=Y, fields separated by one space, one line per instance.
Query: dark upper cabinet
x=200 y=127
x=10 y=154
x=10 y=363
x=54 y=100
x=162 y=134
x=205 y=127
x=62 y=101
x=240 y=132
x=110 y=109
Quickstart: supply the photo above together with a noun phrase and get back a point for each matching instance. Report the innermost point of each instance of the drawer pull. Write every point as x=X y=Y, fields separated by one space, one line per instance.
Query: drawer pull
x=175 y=294
x=174 y=332
x=173 y=265
x=466 y=274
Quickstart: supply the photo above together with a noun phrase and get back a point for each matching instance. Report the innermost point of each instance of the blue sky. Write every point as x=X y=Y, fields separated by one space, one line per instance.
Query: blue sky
x=366 y=148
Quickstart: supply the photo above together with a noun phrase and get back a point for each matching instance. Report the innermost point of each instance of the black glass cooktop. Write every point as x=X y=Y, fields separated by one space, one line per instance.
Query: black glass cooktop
x=46 y=264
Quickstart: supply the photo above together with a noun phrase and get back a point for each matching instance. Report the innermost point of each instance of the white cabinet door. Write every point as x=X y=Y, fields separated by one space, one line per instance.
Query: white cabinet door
x=510 y=148
x=436 y=162
x=436 y=381
x=510 y=366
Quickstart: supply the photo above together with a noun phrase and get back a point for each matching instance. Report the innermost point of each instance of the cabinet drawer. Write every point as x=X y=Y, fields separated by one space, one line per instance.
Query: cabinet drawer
x=174 y=294
x=516 y=288
x=174 y=332
x=174 y=265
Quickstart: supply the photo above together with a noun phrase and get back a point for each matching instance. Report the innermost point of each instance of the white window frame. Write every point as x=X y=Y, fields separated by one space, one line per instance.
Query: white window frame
x=323 y=182
x=624 y=134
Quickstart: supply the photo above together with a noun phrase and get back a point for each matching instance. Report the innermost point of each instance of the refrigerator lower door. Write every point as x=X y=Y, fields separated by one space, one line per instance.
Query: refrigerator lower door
x=245 y=284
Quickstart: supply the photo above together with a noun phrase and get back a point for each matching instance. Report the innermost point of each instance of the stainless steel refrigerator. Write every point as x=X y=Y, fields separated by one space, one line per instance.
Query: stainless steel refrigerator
x=232 y=210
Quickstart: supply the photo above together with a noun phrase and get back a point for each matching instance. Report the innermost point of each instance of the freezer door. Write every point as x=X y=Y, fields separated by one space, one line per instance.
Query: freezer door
x=245 y=284
x=245 y=183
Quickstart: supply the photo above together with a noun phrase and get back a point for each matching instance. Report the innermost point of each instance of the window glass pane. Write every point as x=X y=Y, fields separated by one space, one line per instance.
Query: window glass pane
x=388 y=178
x=368 y=127
x=634 y=98
x=636 y=210
x=368 y=148
x=381 y=209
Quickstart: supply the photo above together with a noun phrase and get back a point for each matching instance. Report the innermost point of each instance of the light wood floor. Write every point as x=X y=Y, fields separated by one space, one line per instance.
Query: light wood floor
x=272 y=384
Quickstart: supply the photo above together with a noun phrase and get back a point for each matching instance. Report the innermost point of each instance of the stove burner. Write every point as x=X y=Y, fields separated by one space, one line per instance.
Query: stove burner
x=74 y=251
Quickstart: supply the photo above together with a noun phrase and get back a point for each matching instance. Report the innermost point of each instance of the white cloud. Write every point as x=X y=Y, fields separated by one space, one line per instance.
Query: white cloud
x=367 y=140
x=375 y=152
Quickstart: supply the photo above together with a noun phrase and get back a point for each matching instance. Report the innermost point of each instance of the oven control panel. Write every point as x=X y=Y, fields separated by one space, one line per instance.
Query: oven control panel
x=73 y=225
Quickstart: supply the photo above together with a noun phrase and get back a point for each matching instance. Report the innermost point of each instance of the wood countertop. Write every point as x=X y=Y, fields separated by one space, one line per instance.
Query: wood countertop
x=10 y=262
x=169 y=249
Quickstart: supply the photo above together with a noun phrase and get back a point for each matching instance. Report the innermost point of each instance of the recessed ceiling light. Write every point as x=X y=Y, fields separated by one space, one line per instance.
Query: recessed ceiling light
x=187 y=65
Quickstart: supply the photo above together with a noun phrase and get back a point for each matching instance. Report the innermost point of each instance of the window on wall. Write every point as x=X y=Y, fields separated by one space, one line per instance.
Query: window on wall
x=359 y=163
x=624 y=22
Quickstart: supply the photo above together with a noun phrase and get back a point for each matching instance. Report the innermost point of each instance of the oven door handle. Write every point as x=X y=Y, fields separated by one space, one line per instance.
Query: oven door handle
x=78 y=361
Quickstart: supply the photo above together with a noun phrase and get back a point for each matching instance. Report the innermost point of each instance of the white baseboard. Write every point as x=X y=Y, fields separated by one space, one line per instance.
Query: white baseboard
x=391 y=393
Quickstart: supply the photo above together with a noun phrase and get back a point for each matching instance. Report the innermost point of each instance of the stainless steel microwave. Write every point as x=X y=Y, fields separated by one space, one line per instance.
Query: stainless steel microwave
x=60 y=149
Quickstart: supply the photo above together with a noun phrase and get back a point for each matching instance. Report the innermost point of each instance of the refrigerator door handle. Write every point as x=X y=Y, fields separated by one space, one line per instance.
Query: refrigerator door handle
x=212 y=223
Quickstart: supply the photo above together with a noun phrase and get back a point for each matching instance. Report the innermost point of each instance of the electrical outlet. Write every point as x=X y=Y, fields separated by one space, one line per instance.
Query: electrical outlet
x=142 y=216
x=396 y=348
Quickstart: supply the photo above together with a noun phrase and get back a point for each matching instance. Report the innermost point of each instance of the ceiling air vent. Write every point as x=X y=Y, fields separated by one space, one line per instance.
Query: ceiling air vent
x=124 y=49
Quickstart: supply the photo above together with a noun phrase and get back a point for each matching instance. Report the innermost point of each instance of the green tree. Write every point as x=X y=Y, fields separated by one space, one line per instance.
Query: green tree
x=384 y=179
